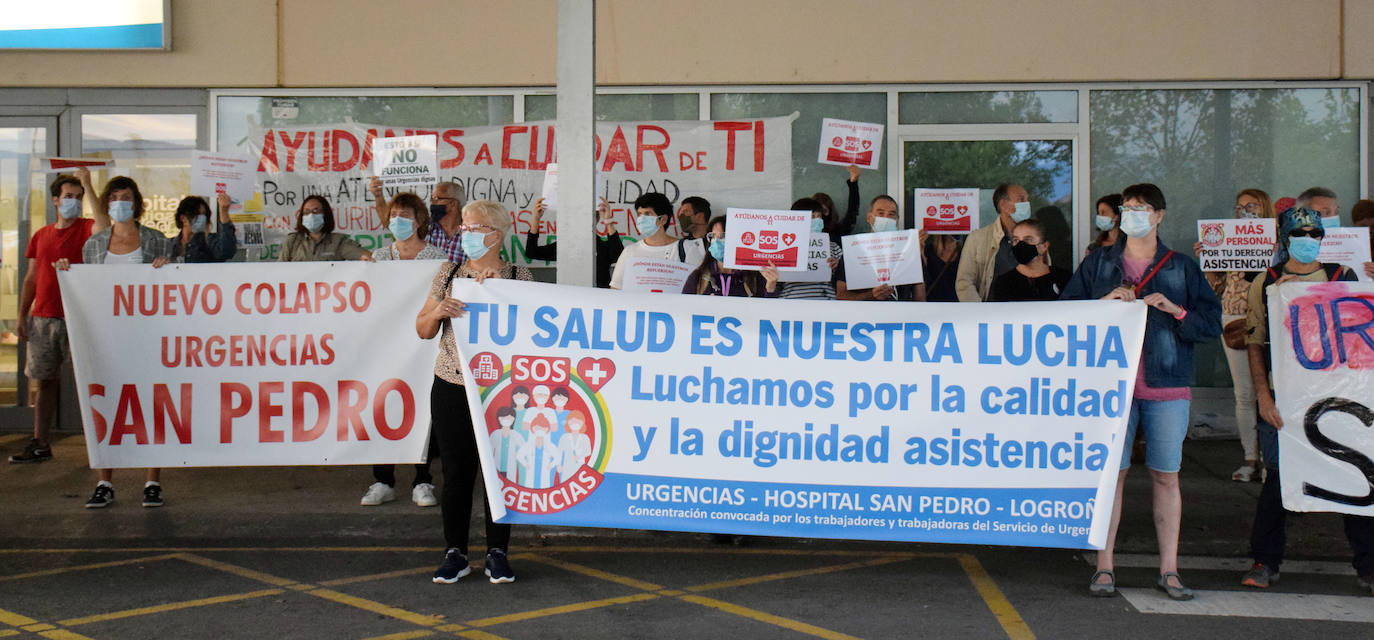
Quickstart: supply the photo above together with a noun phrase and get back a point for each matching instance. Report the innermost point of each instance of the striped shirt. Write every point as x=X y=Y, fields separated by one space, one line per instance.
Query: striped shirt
x=813 y=290
x=452 y=245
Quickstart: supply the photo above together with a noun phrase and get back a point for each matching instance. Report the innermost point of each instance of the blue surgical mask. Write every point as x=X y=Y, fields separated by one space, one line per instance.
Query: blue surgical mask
x=817 y=225
x=475 y=244
x=313 y=222
x=122 y=210
x=1104 y=223
x=69 y=208
x=717 y=250
x=884 y=224
x=1021 y=213
x=199 y=223
x=437 y=211
x=1136 y=223
x=1304 y=249
x=647 y=225
x=402 y=228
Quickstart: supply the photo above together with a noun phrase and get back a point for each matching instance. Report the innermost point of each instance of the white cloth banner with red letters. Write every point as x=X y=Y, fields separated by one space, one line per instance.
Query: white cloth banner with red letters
x=251 y=364
x=732 y=163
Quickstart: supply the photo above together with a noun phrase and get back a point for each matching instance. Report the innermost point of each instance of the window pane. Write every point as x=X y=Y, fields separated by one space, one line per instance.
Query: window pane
x=1202 y=146
x=624 y=107
x=987 y=107
x=18 y=146
x=237 y=115
x=808 y=176
x=137 y=131
x=152 y=149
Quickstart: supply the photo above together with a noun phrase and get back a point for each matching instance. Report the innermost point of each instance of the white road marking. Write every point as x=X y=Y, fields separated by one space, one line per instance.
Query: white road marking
x=1254 y=604
x=1239 y=565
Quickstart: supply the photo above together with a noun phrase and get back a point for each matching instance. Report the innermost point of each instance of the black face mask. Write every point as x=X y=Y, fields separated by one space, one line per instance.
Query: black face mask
x=437 y=211
x=1025 y=252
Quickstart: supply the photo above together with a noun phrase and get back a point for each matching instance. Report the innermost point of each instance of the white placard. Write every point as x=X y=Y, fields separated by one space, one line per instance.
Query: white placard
x=1348 y=246
x=947 y=211
x=890 y=257
x=844 y=143
x=67 y=165
x=649 y=275
x=406 y=161
x=1236 y=244
x=213 y=174
x=817 y=261
x=550 y=190
x=756 y=237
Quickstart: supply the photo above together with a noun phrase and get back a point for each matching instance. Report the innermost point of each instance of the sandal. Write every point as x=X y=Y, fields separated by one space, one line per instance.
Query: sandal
x=1175 y=593
x=1103 y=589
x=1245 y=473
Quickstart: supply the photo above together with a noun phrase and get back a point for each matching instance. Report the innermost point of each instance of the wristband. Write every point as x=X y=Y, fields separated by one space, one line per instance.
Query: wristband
x=1182 y=313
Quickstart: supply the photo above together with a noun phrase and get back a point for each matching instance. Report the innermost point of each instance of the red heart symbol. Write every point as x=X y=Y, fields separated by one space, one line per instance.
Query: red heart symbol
x=963 y=209
x=596 y=372
x=789 y=238
x=868 y=143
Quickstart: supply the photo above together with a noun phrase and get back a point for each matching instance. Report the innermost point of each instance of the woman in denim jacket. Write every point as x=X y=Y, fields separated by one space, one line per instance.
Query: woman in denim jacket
x=1183 y=311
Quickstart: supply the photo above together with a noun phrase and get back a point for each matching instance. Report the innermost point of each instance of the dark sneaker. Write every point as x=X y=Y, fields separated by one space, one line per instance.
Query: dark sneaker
x=34 y=452
x=454 y=567
x=152 y=495
x=102 y=497
x=1260 y=576
x=498 y=567
x=1367 y=583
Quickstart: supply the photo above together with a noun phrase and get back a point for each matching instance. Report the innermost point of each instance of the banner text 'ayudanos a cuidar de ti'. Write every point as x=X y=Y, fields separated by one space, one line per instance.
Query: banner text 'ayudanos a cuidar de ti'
x=800 y=418
x=732 y=163
x=208 y=365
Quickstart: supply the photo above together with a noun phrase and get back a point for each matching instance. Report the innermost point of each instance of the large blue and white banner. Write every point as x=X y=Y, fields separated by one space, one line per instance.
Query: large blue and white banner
x=987 y=424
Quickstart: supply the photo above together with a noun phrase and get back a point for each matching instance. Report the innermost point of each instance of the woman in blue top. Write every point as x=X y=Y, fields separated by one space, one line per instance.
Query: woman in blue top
x=1183 y=311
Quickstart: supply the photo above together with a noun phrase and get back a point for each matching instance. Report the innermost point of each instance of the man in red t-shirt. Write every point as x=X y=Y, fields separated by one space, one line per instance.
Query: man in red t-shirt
x=41 y=320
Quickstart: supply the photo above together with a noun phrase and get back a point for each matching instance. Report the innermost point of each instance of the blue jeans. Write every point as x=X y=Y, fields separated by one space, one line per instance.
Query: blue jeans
x=1166 y=424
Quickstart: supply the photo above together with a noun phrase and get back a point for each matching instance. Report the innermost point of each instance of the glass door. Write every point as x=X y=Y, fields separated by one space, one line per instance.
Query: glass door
x=24 y=208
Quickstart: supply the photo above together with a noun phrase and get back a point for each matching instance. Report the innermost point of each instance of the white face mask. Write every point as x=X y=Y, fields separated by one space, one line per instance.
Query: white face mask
x=1136 y=223
x=122 y=210
x=1021 y=212
x=69 y=208
x=881 y=224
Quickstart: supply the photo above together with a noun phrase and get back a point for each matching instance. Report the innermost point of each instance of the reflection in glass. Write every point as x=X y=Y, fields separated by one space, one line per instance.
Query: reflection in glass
x=623 y=106
x=18 y=145
x=987 y=107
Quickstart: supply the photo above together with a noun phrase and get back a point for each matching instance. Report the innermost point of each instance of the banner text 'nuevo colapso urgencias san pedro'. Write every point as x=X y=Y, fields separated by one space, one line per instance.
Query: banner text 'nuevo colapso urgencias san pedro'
x=992 y=423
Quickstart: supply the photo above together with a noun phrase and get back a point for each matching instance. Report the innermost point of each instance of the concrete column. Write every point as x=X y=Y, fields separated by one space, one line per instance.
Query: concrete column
x=576 y=130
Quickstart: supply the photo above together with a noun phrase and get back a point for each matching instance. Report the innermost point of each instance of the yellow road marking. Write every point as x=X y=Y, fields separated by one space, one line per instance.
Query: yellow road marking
x=404 y=635
x=62 y=634
x=14 y=619
x=171 y=606
x=42 y=626
x=85 y=567
x=377 y=607
x=593 y=573
x=5 y=633
x=376 y=576
x=236 y=570
x=1011 y=621
x=478 y=634
x=567 y=608
x=786 y=623
x=741 y=582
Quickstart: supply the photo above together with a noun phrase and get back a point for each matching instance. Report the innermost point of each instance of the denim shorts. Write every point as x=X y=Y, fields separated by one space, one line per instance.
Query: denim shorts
x=1166 y=424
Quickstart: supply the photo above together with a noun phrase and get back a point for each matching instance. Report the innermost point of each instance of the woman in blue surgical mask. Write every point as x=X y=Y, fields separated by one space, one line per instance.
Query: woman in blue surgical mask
x=194 y=242
x=125 y=242
x=651 y=224
x=1106 y=222
x=485 y=225
x=1182 y=312
x=315 y=240
x=822 y=222
x=712 y=278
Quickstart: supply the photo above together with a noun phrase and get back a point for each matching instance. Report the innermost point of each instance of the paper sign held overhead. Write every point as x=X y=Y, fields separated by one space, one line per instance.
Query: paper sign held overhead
x=213 y=174
x=406 y=161
x=844 y=143
x=947 y=211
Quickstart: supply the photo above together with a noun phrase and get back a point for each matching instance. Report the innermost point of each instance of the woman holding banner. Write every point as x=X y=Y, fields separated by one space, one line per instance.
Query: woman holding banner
x=124 y=242
x=314 y=238
x=485 y=223
x=194 y=243
x=1183 y=311
x=712 y=279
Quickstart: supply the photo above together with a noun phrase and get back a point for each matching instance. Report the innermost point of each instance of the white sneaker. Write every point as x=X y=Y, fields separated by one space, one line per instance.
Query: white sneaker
x=377 y=494
x=423 y=495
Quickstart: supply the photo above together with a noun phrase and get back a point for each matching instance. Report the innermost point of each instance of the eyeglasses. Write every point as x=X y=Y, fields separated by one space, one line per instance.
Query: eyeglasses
x=479 y=228
x=715 y=236
x=1136 y=207
x=1253 y=207
x=1310 y=233
x=310 y=212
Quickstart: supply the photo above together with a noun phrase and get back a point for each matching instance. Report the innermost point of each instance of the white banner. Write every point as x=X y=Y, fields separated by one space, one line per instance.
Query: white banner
x=732 y=163
x=250 y=364
x=1236 y=244
x=947 y=211
x=213 y=174
x=800 y=418
x=647 y=275
x=1322 y=346
x=756 y=238
x=817 y=262
x=1348 y=246
x=844 y=143
x=889 y=257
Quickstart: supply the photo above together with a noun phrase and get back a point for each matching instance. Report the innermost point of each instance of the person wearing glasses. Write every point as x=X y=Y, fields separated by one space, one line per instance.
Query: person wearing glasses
x=445 y=217
x=485 y=224
x=1234 y=288
x=1183 y=311
x=315 y=240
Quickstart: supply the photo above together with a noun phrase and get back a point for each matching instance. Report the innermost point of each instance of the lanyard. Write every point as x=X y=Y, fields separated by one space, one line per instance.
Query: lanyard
x=725 y=284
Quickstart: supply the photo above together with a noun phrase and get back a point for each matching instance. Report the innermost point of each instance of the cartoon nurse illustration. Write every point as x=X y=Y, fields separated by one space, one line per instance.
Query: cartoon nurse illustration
x=520 y=398
x=538 y=458
x=506 y=443
x=541 y=408
x=574 y=446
